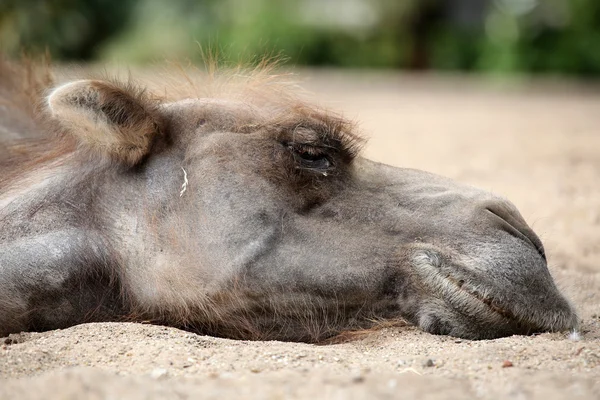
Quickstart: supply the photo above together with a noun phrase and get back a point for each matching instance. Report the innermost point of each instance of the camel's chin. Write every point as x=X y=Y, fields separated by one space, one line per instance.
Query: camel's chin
x=464 y=315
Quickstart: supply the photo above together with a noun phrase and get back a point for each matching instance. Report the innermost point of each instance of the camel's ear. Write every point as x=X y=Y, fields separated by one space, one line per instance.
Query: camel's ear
x=106 y=118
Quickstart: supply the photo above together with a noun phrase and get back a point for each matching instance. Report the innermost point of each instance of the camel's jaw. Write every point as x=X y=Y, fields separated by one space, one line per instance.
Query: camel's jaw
x=473 y=304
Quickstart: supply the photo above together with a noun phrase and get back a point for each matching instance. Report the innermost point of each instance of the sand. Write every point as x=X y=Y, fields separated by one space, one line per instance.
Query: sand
x=538 y=145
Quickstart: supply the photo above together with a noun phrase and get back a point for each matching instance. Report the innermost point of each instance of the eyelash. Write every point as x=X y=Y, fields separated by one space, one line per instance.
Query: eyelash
x=310 y=157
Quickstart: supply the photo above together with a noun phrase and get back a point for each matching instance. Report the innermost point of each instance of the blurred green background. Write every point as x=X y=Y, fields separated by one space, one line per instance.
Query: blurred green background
x=497 y=36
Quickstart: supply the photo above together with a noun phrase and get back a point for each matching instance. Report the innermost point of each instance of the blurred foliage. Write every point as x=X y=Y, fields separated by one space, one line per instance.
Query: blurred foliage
x=70 y=29
x=503 y=36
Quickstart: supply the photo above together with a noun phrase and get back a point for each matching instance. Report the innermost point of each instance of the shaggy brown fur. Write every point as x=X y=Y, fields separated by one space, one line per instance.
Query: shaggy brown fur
x=22 y=89
x=131 y=106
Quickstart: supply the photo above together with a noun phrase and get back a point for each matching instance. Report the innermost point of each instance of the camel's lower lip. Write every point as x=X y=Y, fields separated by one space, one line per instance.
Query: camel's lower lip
x=487 y=300
x=459 y=284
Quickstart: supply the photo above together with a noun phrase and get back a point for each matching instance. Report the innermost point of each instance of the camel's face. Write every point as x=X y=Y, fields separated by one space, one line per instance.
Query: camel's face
x=255 y=223
x=286 y=214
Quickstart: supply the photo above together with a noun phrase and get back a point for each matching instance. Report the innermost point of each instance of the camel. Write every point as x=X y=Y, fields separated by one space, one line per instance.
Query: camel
x=242 y=210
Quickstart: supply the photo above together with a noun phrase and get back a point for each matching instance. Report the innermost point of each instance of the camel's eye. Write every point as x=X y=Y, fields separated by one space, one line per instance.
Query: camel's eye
x=310 y=157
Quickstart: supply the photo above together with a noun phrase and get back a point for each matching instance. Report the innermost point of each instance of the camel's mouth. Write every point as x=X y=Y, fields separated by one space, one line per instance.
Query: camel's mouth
x=485 y=316
x=490 y=302
x=472 y=301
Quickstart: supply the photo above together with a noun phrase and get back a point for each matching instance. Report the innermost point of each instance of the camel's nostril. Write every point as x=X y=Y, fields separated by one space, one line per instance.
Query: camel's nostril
x=512 y=222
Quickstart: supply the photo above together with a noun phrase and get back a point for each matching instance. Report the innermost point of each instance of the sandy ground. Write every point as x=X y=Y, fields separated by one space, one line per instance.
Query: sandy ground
x=538 y=146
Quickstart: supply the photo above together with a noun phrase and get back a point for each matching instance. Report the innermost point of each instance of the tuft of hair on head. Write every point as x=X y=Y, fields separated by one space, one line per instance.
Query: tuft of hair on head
x=107 y=118
x=258 y=80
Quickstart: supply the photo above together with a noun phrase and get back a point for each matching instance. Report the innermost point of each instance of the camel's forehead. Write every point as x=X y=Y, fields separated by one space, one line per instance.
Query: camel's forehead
x=218 y=113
